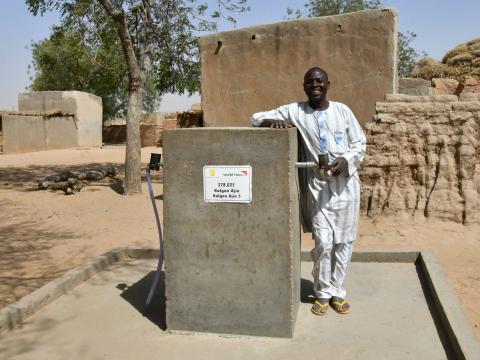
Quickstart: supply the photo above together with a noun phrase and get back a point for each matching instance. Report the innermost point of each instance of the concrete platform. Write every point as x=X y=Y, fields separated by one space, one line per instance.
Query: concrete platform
x=393 y=318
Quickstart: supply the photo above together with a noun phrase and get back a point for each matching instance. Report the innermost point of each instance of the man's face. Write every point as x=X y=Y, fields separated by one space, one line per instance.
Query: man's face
x=316 y=85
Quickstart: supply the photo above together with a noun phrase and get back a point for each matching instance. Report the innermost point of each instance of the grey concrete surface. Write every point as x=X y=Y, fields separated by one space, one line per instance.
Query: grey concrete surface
x=226 y=262
x=102 y=319
x=414 y=86
x=12 y=315
x=460 y=336
x=259 y=68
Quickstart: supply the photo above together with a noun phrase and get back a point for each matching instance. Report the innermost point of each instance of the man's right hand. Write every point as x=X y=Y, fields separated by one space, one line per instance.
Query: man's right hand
x=276 y=124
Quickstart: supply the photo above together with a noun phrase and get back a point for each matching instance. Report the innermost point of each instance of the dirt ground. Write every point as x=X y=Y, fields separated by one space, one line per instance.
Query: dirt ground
x=43 y=234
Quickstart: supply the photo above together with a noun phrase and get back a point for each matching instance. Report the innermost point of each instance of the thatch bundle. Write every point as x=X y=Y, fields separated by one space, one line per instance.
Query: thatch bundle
x=428 y=68
x=459 y=63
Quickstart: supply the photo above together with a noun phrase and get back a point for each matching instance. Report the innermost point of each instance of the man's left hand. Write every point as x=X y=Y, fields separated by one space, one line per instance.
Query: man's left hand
x=339 y=166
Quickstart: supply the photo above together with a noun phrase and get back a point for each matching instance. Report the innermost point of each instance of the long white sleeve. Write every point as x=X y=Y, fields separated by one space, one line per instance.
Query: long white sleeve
x=280 y=114
x=357 y=144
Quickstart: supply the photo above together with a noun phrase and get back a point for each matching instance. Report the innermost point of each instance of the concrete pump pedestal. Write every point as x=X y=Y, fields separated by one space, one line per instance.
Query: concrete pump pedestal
x=231 y=267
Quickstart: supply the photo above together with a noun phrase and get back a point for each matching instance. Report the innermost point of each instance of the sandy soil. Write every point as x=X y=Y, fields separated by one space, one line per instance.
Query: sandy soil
x=43 y=234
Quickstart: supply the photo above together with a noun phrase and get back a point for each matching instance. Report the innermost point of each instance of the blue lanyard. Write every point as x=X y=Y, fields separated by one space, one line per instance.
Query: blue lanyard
x=322 y=134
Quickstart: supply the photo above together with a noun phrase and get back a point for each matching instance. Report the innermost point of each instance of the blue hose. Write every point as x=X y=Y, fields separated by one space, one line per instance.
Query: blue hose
x=159 y=227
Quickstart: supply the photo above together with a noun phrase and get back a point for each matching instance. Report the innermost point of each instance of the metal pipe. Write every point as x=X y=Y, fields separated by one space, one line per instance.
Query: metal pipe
x=308 y=164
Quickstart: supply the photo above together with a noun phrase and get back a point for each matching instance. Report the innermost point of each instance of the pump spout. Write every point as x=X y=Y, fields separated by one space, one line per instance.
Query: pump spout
x=307 y=164
x=323 y=165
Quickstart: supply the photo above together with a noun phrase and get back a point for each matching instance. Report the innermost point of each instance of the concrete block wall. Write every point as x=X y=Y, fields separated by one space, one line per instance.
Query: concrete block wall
x=258 y=68
x=414 y=86
x=232 y=268
x=27 y=133
x=86 y=108
x=421 y=158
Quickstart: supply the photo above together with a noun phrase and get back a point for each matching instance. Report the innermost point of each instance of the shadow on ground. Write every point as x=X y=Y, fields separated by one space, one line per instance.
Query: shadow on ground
x=24 y=245
x=306 y=291
x=136 y=294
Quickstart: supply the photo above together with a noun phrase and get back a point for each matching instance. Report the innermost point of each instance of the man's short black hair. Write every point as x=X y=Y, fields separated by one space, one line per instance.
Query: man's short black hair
x=315 y=69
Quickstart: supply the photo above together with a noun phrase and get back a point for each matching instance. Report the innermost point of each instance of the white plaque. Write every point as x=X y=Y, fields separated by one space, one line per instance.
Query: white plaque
x=229 y=183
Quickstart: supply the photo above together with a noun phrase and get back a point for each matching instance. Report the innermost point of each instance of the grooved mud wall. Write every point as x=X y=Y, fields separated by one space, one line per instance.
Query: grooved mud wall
x=421 y=158
x=259 y=68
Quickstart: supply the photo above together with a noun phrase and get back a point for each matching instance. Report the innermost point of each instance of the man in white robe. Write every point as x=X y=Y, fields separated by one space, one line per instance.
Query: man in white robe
x=331 y=203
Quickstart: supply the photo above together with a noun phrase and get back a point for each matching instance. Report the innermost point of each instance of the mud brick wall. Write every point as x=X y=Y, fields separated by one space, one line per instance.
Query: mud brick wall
x=421 y=158
x=152 y=126
x=1 y=133
x=262 y=67
x=150 y=134
x=85 y=107
x=190 y=119
x=38 y=131
x=438 y=86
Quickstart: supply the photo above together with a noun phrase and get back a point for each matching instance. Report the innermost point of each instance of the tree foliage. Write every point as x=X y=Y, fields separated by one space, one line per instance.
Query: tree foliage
x=64 y=61
x=407 y=56
x=84 y=53
x=173 y=27
x=315 y=8
x=158 y=42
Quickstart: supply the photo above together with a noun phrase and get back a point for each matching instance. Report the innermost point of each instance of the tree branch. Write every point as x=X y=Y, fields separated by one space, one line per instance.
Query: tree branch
x=145 y=62
x=118 y=16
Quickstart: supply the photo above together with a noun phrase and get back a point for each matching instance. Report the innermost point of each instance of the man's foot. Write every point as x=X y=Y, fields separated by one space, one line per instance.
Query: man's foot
x=340 y=305
x=320 y=306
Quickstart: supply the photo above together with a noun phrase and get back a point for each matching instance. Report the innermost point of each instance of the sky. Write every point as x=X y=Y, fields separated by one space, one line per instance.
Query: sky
x=440 y=25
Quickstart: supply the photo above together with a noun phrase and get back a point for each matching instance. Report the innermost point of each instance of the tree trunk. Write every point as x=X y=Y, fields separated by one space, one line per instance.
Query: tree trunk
x=133 y=169
x=136 y=88
x=138 y=72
